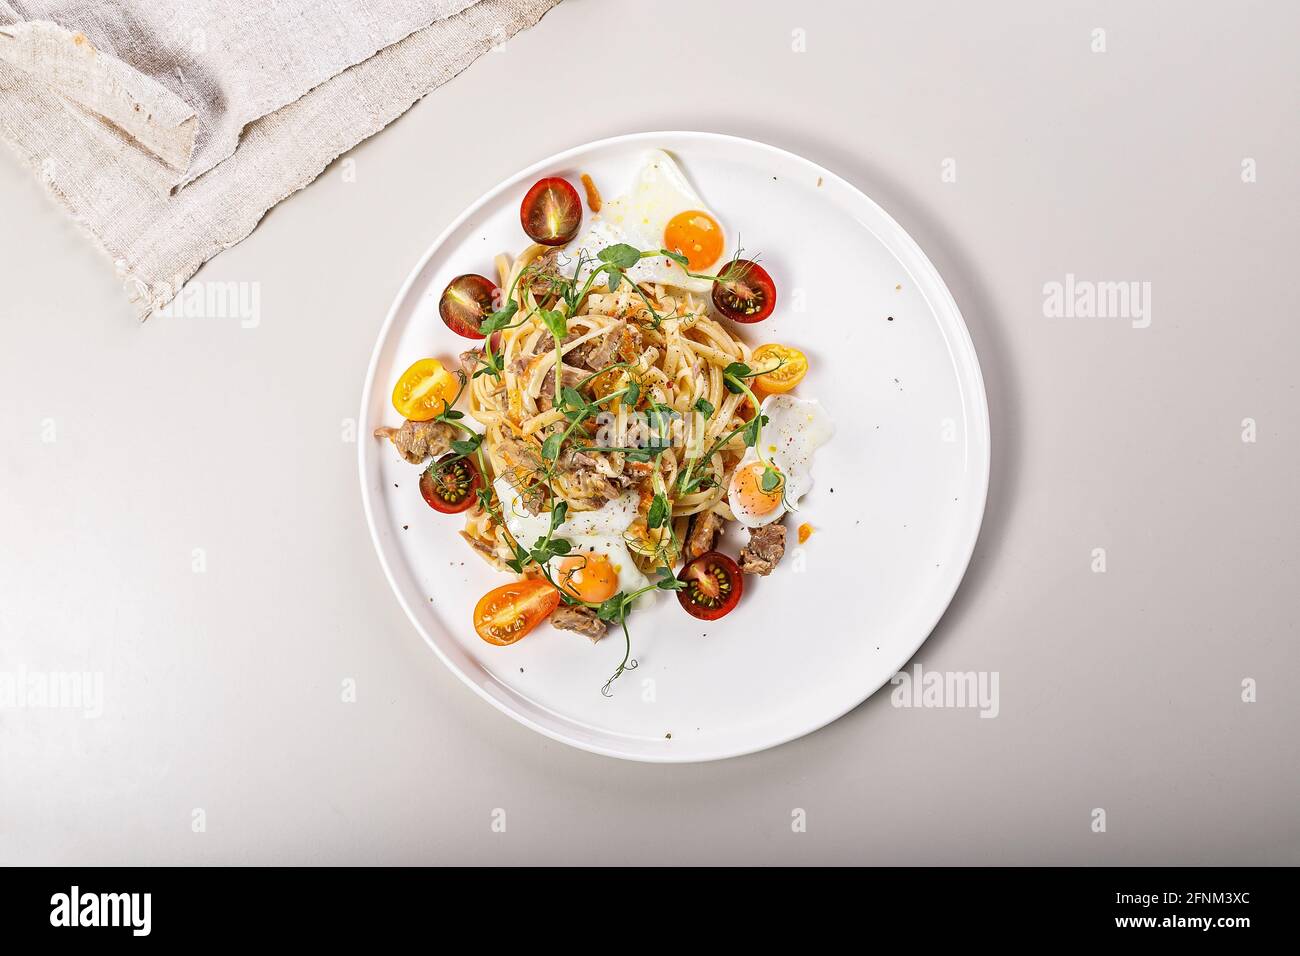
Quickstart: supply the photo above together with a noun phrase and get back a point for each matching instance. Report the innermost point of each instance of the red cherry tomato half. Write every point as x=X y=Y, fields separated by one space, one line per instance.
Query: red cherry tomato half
x=551 y=212
x=451 y=484
x=466 y=302
x=713 y=586
x=744 y=292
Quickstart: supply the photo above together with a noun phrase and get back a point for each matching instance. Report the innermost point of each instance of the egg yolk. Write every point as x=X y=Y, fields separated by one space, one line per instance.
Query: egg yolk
x=697 y=236
x=588 y=577
x=748 y=489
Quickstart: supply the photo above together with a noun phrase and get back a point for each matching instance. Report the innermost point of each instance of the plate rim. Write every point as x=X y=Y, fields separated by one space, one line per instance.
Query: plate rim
x=934 y=283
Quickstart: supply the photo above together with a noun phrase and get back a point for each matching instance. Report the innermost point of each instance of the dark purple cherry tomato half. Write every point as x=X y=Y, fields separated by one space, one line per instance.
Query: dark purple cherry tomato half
x=744 y=292
x=551 y=212
x=466 y=302
x=713 y=586
x=451 y=484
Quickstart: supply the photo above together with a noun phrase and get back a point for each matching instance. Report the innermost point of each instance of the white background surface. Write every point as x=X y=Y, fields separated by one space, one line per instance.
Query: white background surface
x=1119 y=690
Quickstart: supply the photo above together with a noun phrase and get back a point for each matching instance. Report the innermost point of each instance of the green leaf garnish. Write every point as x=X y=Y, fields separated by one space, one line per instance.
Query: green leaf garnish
x=571 y=398
x=612 y=608
x=620 y=255
x=555 y=323
x=467 y=447
x=490 y=364
x=669 y=581
x=499 y=319
x=658 y=512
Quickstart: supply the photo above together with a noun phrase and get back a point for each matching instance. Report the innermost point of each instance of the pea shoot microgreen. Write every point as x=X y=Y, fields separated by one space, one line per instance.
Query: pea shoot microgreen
x=614 y=611
x=733 y=271
x=771 y=480
x=659 y=511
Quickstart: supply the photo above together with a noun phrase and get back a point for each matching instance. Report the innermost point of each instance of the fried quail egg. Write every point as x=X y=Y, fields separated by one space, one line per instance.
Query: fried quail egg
x=599 y=564
x=661 y=211
x=796 y=427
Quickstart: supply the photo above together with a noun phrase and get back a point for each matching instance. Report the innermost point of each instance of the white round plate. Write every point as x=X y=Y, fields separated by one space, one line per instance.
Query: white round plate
x=897 y=502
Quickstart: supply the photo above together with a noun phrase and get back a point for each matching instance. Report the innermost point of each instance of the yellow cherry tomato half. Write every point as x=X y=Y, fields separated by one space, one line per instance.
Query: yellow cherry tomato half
x=424 y=391
x=787 y=367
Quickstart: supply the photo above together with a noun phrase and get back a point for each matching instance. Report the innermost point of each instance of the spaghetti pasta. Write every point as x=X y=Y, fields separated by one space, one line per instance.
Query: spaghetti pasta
x=659 y=342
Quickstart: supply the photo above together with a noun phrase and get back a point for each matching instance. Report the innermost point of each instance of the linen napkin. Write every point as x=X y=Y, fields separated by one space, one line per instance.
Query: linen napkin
x=167 y=128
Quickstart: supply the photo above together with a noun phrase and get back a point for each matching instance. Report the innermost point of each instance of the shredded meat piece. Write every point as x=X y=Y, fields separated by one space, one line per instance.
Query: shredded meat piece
x=469 y=361
x=543 y=273
x=572 y=458
x=574 y=617
x=546 y=394
x=703 y=536
x=523 y=457
x=766 y=547
x=593 y=476
x=620 y=344
x=518 y=453
x=417 y=442
x=606 y=464
x=533 y=500
x=585 y=484
x=486 y=550
x=575 y=356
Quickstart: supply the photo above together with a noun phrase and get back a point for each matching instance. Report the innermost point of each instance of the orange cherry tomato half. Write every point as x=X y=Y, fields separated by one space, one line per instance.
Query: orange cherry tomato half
x=505 y=614
x=451 y=484
x=424 y=391
x=551 y=212
x=788 y=367
x=466 y=302
x=744 y=292
x=697 y=236
x=713 y=586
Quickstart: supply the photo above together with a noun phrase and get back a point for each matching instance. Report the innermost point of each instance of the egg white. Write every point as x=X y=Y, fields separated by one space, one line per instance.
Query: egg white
x=590 y=532
x=638 y=217
x=796 y=428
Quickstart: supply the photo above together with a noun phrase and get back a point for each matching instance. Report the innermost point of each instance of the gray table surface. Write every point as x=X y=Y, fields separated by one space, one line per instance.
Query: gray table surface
x=127 y=447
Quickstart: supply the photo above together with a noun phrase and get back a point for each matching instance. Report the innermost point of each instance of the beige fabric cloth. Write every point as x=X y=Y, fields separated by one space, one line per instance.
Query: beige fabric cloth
x=164 y=169
x=180 y=79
